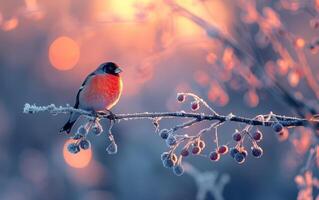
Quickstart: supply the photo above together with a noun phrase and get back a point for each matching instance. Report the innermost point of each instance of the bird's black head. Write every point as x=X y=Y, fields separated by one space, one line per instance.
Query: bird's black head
x=110 y=68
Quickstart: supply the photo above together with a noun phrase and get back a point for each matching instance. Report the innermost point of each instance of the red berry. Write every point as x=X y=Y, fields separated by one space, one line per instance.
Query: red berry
x=257 y=135
x=223 y=149
x=196 y=150
x=195 y=105
x=214 y=156
x=184 y=152
x=240 y=157
x=164 y=133
x=233 y=152
x=256 y=152
x=180 y=97
x=237 y=136
x=200 y=144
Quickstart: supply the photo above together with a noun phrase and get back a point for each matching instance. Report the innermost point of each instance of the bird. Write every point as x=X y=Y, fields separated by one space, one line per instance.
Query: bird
x=100 y=91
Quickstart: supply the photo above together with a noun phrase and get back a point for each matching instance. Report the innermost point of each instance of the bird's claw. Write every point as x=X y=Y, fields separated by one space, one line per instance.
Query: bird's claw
x=111 y=116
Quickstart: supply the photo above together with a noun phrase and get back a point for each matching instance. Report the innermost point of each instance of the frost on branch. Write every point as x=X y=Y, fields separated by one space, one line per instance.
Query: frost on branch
x=180 y=145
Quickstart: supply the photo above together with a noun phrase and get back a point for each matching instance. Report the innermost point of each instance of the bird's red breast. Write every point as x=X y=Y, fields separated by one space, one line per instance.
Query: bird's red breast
x=102 y=92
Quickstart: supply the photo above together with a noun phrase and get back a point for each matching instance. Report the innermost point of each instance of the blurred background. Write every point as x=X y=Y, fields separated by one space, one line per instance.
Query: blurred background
x=164 y=47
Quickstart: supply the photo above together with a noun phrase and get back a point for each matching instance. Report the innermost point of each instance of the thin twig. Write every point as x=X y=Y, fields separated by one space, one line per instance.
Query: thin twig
x=284 y=120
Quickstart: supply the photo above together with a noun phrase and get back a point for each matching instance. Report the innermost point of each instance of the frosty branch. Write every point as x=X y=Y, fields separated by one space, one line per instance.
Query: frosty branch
x=185 y=142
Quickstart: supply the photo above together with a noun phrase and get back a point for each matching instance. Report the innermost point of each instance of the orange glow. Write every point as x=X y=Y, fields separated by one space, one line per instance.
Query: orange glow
x=283 y=66
x=31 y=4
x=188 y=28
x=217 y=94
x=300 y=43
x=201 y=78
x=117 y=10
x=124 y=9
x=79 y=160
x=303 y=143
x=228 y=58
x=10 y=24
x=32 y=10
x=64 y=53
x=317 y=4
x=1 y=18
x=272 y=17
x=252 y=98
x=211 y=58
x=293 y=78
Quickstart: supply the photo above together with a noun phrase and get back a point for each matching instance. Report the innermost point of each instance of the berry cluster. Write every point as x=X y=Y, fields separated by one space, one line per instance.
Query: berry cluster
x=239 y=152
x=194 y=105
x=170 y=160
x=80 y=137
x=195 y=145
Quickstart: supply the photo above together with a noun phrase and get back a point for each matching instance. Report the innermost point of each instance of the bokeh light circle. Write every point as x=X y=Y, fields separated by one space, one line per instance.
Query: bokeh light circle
x=64 y=53
x=79 y=160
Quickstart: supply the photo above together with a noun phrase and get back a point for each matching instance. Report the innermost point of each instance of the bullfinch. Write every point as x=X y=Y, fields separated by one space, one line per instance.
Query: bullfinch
x=100 y=91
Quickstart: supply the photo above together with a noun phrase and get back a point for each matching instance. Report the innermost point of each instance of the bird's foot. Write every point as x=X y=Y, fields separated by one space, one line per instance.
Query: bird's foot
x=109 y=114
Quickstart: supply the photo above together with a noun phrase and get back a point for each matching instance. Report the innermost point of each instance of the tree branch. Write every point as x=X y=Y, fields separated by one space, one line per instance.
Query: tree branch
x=284 y=120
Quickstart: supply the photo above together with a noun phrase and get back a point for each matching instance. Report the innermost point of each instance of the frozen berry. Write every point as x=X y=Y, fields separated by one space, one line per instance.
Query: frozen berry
x=257 y=152
x=240 y=158
x=112 y=148
x=214 y=156
x=196 y=150
x=200 y=144
x=164 y=155
x=85 y=144
x=164 y=133
x=180 y=97
x=178 y=170
x=223 y=149
x=257 y=135
x=233 y=152
x=237 y=136
x=184 y=152
x=171 y=140
x=82 y=130
x=195 y=105
x=168 y=163
x=73 y=148
x=277 y=127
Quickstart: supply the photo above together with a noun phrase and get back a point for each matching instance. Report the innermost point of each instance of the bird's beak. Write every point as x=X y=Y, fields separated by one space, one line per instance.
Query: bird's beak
x=118 y=70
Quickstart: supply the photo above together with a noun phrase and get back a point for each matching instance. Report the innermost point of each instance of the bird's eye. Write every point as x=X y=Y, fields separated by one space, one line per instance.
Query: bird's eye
x=105 y=68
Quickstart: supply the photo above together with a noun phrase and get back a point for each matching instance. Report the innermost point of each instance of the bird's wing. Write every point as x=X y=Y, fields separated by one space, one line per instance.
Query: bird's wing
x=77 y=102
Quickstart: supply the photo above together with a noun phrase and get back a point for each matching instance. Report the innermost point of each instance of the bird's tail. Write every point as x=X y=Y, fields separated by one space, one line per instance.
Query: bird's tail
x=69 y=124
